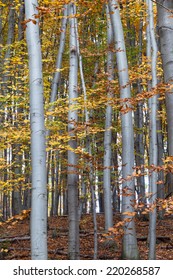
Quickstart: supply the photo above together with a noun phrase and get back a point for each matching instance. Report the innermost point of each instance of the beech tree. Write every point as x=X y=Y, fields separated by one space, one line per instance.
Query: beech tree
x=153 y=136
x=73 y=249
x=130 y=250
x=38 y=149
x=165 y=29
x=108 y=132
x=57 y=74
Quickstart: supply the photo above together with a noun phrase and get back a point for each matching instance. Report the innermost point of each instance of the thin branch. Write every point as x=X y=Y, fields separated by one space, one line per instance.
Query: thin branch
x=161 y=5
x=14 y=239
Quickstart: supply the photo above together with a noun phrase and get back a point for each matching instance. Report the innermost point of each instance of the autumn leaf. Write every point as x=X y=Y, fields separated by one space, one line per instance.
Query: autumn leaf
x=130 y=214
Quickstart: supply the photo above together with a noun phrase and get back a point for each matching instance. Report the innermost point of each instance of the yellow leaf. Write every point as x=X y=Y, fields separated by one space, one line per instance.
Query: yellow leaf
x=131 y=214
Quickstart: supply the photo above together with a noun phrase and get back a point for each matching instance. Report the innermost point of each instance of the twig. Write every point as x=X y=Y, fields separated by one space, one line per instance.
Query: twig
x=165 y=239
x=161 y=5
x=12 y=239
x=18 y=249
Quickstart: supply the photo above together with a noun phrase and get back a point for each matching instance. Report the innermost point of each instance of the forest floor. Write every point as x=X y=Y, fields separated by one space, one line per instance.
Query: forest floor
x=15 y=239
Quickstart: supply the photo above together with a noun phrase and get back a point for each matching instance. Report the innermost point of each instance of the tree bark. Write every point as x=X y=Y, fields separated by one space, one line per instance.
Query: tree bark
x=38 y=149
x=130 y=249
x=165 y=24
x=73 y=244
x=108 y=132
x=153 y=137
x=57 y=74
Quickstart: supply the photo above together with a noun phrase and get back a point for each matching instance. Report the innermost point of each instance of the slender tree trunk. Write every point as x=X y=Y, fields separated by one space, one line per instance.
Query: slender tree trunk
x=16 y=193
x=108 y=132
x=52 y=175
x=165 y=24
x=130 y=249
x=86 y=113
x=153 y=138
x=147 y=115
x=6 y=212
x=38 y=149
x=94 y=214
x=73 y=245
x=57 y=74
x=160 y=186
x=56 y=190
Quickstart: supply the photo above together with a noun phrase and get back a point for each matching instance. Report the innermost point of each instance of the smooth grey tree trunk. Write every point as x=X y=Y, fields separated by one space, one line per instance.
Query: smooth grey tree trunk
x=57 y=74
x=55 y=179
x=27 y=192
x=73 y=239
x=130 y=249
x=108 y=209
x=149 y=86
x=91 y=181
x=16 y=193
x=38 y=148
x=153 y=137
x=165 y=28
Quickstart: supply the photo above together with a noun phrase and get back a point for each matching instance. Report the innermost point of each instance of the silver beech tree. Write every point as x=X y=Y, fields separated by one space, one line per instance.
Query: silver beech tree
x=72 y=180
x=153 y=135
x=130 y=249
x=38 y=148
x=108 y=131
x=165 y=29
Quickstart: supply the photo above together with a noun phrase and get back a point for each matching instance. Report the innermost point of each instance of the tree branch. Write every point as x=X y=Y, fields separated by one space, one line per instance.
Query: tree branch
x=161 y=5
